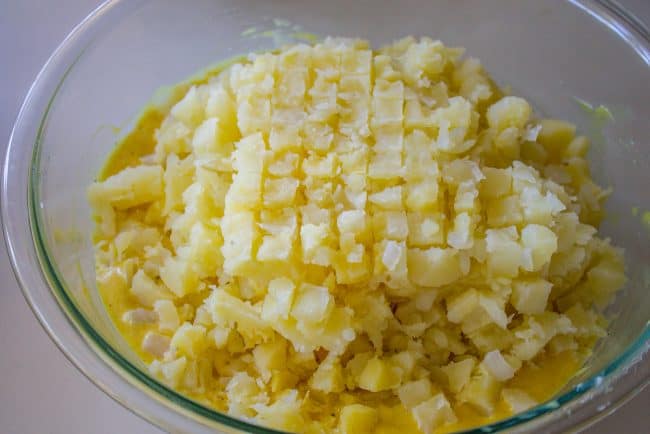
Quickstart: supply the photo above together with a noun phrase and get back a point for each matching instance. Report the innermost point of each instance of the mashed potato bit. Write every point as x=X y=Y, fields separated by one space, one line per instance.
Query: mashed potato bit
x=327 y=235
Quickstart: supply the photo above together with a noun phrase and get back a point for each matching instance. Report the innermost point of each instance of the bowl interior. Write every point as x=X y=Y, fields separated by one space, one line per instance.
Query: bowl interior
x=557 y=54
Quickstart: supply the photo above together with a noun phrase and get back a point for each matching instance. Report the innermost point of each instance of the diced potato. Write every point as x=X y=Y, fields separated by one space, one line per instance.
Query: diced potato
x=458 y=373
x=378 y=375
x=279 y=193
x=231 y=310
x=328 y=377
x=270 y=357
x=541 y=241
x=434 y=267
x=415 y=392
x=498 y=366
x=433 y=413
x=131 y=187
x=358 y=419
x=189 y=340
x=556 y=136
x=530 y=295
x=505 y=254
x=240 y=233
x=517 y=400
x=167 y=315
x=510 y=111
x=147 y=291
x=189 y=110
x=389 y=198
x=426 y=229
x=312 y=304
x=481 y=391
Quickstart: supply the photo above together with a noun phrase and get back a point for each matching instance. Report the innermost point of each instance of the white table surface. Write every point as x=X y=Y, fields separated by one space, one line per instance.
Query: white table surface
x=40 y=391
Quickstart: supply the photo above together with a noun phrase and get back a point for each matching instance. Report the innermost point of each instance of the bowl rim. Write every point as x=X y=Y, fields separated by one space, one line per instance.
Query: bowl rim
x=128 y=384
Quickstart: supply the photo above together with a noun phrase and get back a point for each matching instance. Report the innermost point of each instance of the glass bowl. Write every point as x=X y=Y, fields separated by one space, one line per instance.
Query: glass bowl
x=559 y=54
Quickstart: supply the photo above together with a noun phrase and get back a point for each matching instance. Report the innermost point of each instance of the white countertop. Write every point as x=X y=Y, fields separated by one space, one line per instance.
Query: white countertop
x=40 y=391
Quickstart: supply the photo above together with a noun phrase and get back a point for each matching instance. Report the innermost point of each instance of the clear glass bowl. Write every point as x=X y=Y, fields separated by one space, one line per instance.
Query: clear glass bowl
x=551 y=52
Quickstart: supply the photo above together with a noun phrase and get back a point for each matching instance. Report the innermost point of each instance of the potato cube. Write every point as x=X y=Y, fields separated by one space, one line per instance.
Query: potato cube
x=167 y=315
x=422 y=195
x=433 y=413
x=131 y=187
x=434 y=267
x=392 y=225
x=358 y=419
x=556 y=136
x=147 y=291
x=279 y=299
x=279 y=193
x=378 y=375
x=189 y=340
x=509 y=111
x=415 y=392
x=390 y=198
x=426 y=229
x=269 y=357
x=529 y=296
x=504 y=211
x=313 y=304
x=240 y=234
x=458 y=373
x=542 y=242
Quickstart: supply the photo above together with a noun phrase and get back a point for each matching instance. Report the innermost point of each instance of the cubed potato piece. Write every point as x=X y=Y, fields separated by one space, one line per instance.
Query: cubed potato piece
x=277 y=247
x=245 y=192
x=190 y=110
x=542 y=242
x=509 y=111
x=378 y=375
x=328 y=377
x=178 y=176
x=517 y=400
x=415 y=392
x=179 y=275
x=504 y=211
x=505 y=254
x=352 y=222
x=312 y=304
x=318 y=166
x=555 y=136
x=458 y=373
x=422 y=195
x=498 y=366
x=389 y=198
x=279 y=193
x=269 y=357
x=426 y=229
x=358 y=419
x=530 y=295
x=226 y=308
x=147 y=291
x=461 y=235
x=384 y=166
x=131 y=187
x=167 y=315
x=434 y=267
x=189 y=340
x=279 y=299
x=433 y=413
x=392 y=225
x=240 y=233
x=481 y=392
